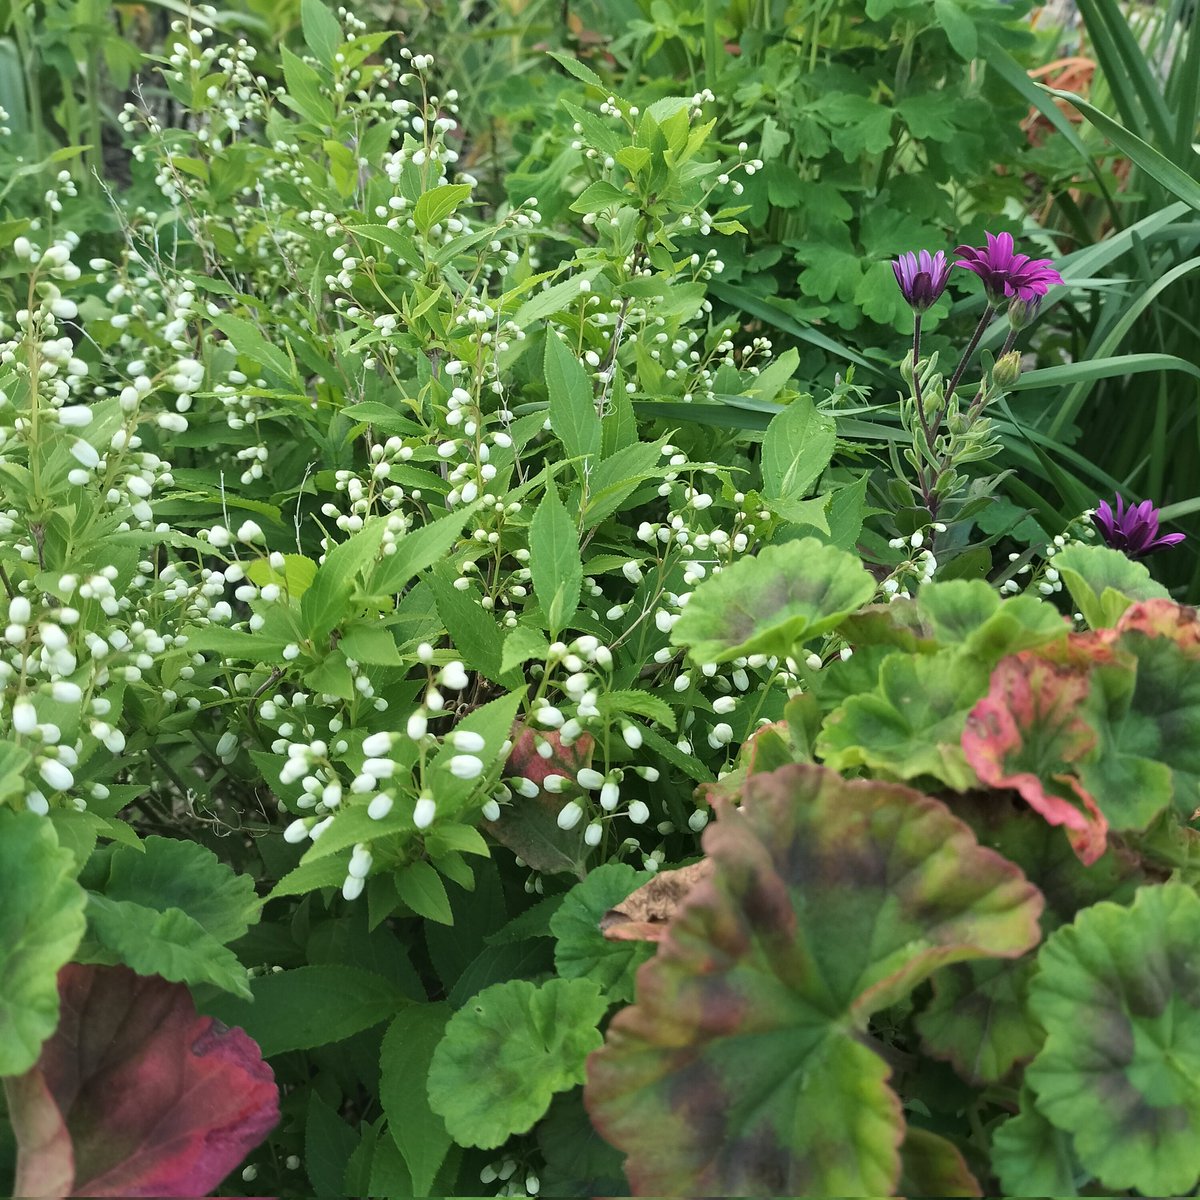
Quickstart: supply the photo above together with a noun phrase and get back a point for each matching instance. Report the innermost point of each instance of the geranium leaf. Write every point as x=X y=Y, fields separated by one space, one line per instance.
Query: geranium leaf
x=911 y=724
x=41 y=922
x=156 y=1101
x=508 y=1051
x=582 y=951
x=1118 y=993
x=744 y=1066
x=1027 y=732
x=1104 y=583
x=1031 y=1157
x=932 y=1166
x=771 y=603
x=978 y=1019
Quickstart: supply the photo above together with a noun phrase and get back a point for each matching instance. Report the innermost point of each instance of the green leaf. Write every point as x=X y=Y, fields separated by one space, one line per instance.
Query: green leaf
x=304 y=90
x=322 y=34
x=1160 y=168
x=246 y=339
x=630 y=702
x=1118 y=994
x=582 y=951
x=328 y=1144
x=959 y=30
x=1104 y=583
x=772 y=603
x=797 y=447
x=324 y=604
x=932 y=1165
x=41 y=923
x=554 y=560
x=419 y=549
x=912 y=723
x=508 y=1051
x=743 y=1068
x=310 y=1006
x=169 y=873
x=521 y=645
x=573 y=415
x=1031 y=1157
x=14 y=761
x=404 y=1062
x=598 y=196
x=421 y=888
x=168 y=943
x=978 y=1019
x=473 y=631
x=370 y=643
x=435 y=205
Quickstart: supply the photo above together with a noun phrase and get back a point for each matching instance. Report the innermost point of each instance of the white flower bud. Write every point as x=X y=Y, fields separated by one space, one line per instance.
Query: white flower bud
x=466 y=766
x=424 y=812
x=379 y=807
x=638 y=813
x=569 y=816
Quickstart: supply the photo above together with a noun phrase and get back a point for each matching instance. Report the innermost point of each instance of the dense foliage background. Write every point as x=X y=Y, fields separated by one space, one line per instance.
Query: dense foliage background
x=450 y=452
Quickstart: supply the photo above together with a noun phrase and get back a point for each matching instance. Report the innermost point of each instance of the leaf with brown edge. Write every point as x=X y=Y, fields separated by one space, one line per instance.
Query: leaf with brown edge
x=643 y=916
x=933 y=1166
x=1028 y=733
x=745 y=1067
x=148 y=1098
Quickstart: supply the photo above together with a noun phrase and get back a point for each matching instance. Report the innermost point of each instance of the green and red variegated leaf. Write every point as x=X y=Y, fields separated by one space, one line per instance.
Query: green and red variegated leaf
x=933 y=1166
x=1030 y=732
x=136 y=1095
x=1118 y=994
x=745 y=1066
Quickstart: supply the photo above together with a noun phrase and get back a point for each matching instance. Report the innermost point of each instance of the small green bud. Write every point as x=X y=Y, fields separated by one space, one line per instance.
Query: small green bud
x=1007 y=369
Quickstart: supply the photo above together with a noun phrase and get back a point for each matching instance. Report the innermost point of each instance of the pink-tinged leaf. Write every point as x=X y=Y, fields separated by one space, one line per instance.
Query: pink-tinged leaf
x=746 y=1066
x=152 y=1099
x=525 y=760
x=1029 y=733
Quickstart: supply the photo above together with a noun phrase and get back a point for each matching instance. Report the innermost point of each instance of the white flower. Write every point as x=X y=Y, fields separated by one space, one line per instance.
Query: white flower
x=590 y=779
x=353 y=886
x=638 y=813
x=468 y=741
x=379 y=807
x=56 y=775
x=466 y=766
x=249 y=531
x=376 y=745
x=569 y=815
x=424 y=812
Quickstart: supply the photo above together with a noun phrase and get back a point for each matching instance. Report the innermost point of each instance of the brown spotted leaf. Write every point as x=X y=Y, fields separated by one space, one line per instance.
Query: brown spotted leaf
x=643 y=915
x=745 y=1066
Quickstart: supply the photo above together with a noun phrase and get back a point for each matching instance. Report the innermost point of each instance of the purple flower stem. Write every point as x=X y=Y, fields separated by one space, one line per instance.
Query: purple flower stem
x=988 y=312
x=977 y=403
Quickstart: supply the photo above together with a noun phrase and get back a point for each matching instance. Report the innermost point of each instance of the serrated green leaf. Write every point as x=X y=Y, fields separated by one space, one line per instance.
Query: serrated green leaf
x=797 y=447
x=554 y=560
x=435 y=205
x=573 y=415
x=521 y=645
x=322 y=33
x=41 y=923
x=310 y=1006
x=404 y=1062
x=508 y=1051
x=421 y=888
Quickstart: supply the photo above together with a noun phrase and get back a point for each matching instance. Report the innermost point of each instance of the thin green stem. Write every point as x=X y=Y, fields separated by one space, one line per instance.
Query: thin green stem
x=988 y=312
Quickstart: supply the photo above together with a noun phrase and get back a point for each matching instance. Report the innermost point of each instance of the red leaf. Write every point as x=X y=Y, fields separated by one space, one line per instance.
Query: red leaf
x=524 y=758
x=153 y=1099
x=1028 y=732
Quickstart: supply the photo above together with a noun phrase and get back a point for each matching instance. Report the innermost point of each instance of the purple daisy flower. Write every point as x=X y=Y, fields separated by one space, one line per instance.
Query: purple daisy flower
x=922 y=277
x=1005 y=273
x=1133 y=530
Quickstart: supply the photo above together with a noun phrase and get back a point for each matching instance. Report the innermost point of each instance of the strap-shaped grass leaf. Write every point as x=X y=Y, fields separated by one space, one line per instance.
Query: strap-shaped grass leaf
x=508 y=1051
x=912 y=723
x=978 y=1018
x=41 y=922
x=1118 y=993
x=771 y=603
x=745 y=1066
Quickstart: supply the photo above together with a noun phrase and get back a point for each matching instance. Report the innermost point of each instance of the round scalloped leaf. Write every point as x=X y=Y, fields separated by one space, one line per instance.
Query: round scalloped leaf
x=508 y=1051
x=582 y=950
x=933 y=1166
x=41 y=923
x=741 y=1069
x=911 y=725
x=971 y=614
x=772 y=602
x=1118 y=993
x=1032 y=1158
x=1104 y=582
x=1029 y=733
x=977 y=1019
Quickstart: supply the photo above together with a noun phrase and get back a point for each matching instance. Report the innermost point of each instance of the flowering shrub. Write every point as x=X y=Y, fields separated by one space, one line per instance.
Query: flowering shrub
x=381 y=611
